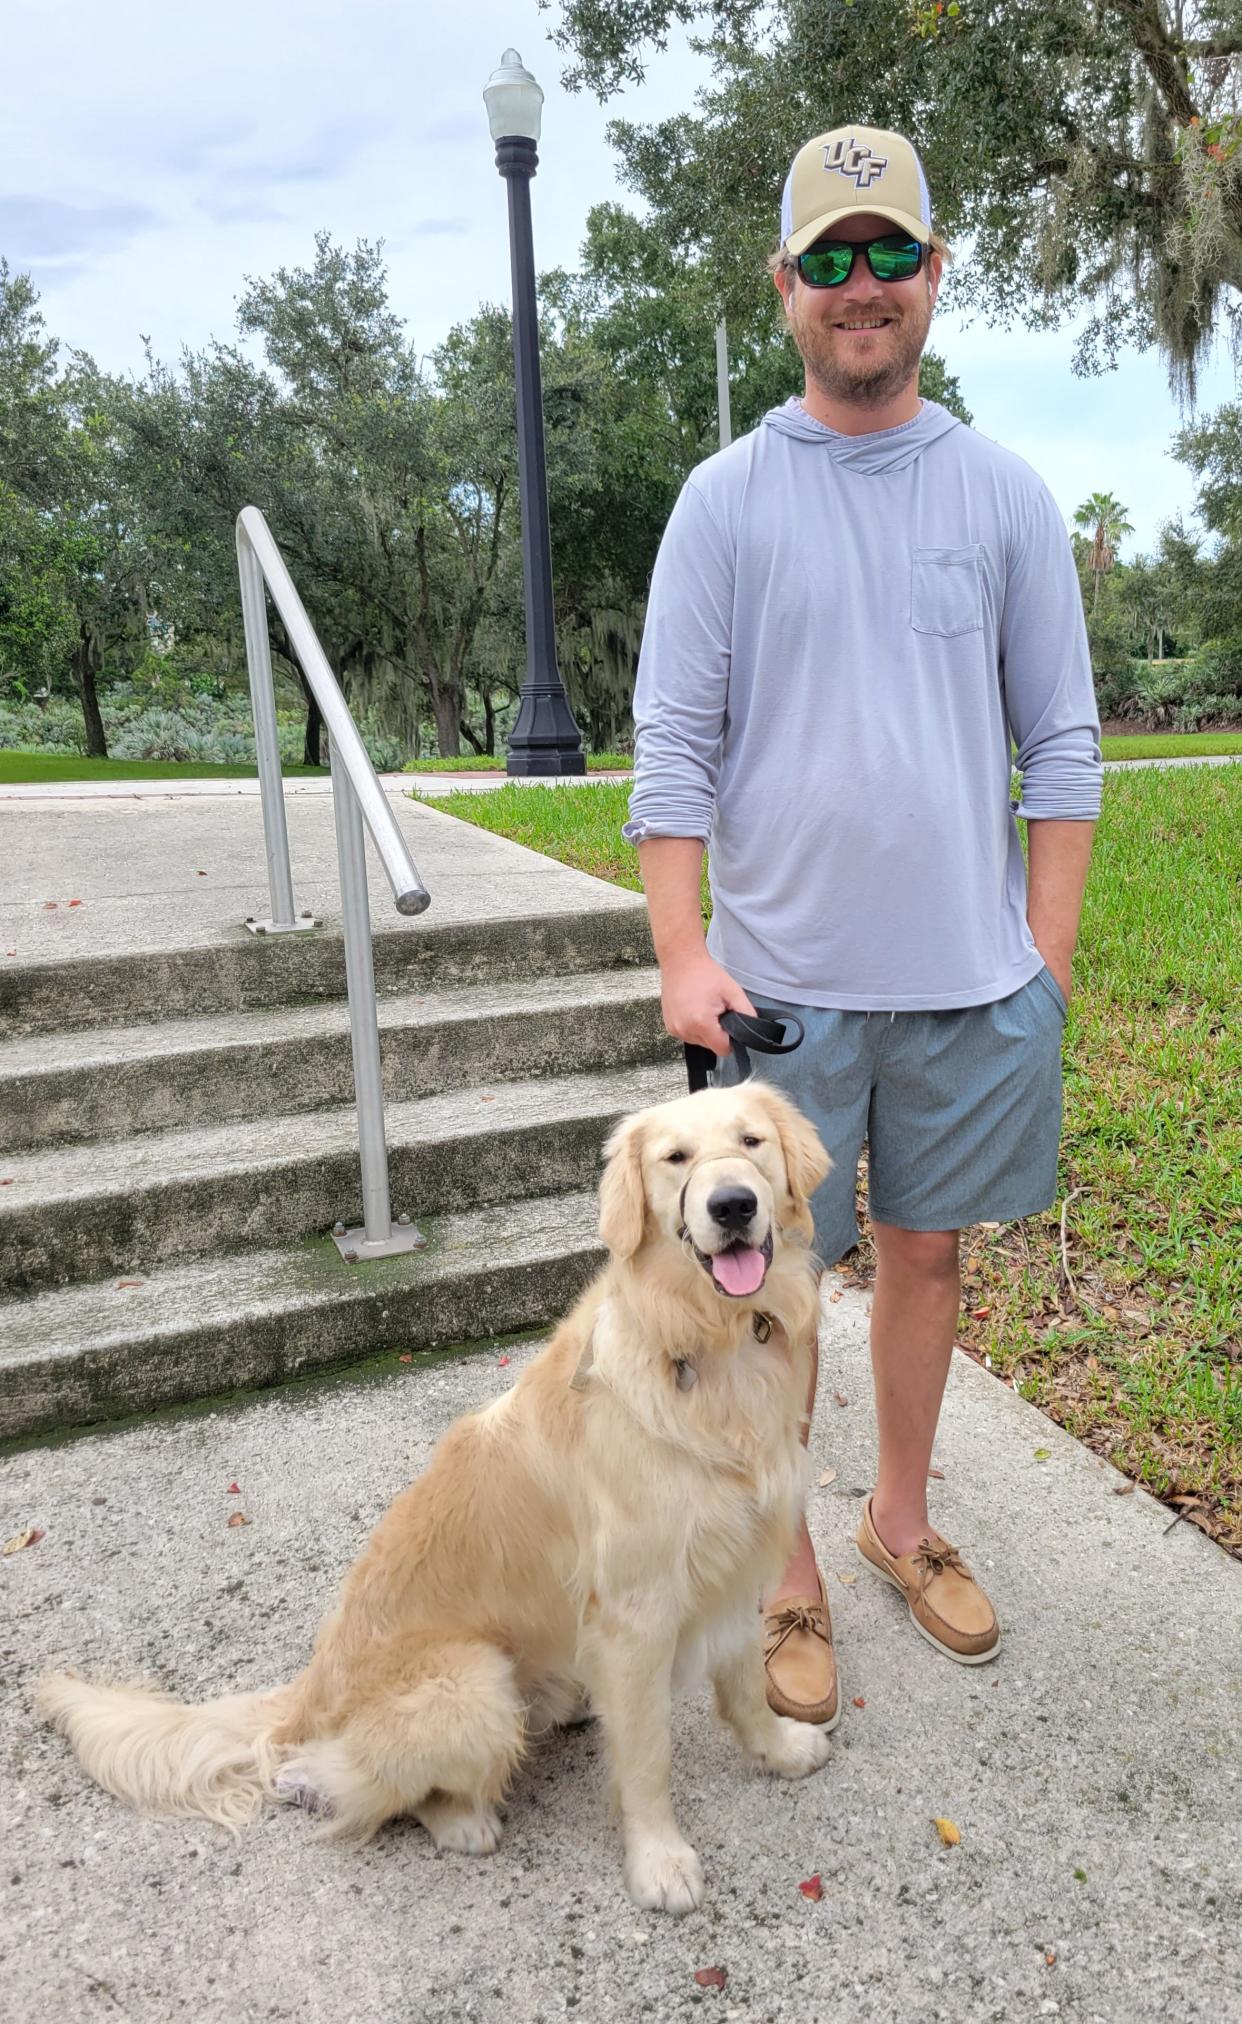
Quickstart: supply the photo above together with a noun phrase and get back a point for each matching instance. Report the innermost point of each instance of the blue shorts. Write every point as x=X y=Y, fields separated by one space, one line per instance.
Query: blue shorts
x=961 y=1111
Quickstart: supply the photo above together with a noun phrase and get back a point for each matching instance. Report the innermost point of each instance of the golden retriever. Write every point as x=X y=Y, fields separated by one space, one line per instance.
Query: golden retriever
x=600 y=1532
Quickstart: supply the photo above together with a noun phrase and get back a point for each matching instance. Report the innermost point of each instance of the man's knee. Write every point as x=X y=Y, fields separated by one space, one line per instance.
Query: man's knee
x=929 y=1254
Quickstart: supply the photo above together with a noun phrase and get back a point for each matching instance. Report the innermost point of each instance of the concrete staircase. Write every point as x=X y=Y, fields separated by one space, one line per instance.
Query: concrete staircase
x=177 y=1138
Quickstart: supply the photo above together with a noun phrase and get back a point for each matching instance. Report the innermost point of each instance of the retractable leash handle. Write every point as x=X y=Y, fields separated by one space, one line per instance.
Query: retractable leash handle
x=765 y=1033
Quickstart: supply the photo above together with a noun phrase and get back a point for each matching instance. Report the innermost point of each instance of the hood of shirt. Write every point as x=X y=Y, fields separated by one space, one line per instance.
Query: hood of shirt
x=888 y=450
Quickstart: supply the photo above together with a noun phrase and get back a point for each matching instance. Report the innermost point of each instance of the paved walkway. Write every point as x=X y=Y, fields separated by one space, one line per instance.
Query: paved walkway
x=1095 y=1770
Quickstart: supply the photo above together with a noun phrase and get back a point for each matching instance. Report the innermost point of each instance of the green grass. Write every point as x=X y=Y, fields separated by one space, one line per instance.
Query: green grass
x=1173 y=745
x=36 y=767
x=1139 y=1352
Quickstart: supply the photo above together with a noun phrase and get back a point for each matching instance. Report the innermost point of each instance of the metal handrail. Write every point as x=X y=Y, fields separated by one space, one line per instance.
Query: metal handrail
x=357 y=798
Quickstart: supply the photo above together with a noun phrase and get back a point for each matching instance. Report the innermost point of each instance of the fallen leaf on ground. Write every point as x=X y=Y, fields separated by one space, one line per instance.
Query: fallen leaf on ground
x=834 y=1297
x=948 y=1832
x=75 y=903
x=238 y=1518
x=234 y=1490
x=121 y=1284
x=1043 y=1454
x=829 y=1476
x=711 y=1978
x=49 y=906
x=1124 y=1489
x=405 y=1358
x=847 y=1580
x=503 y=1360
x=1051 y=1958
x=860 y=1700
x=937 y=1473
x=487 y=1099
x=20 y=1540
x=839 y=1399
x=813 y=1888
x=8 y=1183
x=980 y=1313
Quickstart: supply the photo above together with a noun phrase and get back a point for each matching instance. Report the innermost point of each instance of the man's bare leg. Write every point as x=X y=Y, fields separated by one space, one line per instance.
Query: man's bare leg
x=914 y=1314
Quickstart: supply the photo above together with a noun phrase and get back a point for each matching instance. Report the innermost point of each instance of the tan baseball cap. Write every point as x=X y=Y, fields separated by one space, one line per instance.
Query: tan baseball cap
x=853 y=169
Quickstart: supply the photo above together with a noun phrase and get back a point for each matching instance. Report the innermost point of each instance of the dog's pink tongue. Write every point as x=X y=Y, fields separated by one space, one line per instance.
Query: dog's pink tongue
x=738 y=1271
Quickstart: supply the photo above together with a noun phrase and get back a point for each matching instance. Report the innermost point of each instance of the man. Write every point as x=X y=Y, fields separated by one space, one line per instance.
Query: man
x=853 y=610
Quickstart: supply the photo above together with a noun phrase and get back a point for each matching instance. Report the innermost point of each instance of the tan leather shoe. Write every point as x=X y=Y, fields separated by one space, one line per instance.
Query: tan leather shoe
x=799 y=1660
x=945 y=1601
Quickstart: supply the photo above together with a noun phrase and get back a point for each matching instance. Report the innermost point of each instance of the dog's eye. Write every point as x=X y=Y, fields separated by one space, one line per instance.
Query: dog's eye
x=676 y=1159
x=751 y=1140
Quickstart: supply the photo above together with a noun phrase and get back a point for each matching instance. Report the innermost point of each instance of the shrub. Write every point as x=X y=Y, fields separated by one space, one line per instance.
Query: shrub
x=24 y=727
x=1215 y=671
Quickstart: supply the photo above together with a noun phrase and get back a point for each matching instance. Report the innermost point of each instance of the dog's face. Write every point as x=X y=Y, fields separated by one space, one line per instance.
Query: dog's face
x=724 y=1172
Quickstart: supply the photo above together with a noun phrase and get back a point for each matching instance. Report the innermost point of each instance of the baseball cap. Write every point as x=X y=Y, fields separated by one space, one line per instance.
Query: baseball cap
x=853 y=169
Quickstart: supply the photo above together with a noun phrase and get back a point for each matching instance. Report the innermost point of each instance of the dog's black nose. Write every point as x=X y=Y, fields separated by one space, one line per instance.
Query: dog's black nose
x=733 y=1207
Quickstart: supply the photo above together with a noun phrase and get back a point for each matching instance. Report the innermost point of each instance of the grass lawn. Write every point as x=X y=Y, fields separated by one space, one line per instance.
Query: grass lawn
x=1127 y=1328
x=19 y=767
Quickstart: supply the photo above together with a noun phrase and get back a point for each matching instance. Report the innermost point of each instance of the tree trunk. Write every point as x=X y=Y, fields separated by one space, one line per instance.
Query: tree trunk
x=489 y=722
x=1095 y=602
x=446 y=707
x=86 y=660
x=312 y=748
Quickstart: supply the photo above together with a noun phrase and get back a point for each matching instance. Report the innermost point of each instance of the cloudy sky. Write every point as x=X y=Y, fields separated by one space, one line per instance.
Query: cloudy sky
x=153 y=158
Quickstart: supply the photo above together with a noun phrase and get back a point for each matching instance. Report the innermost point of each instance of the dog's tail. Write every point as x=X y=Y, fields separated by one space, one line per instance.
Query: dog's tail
x=160 y=1755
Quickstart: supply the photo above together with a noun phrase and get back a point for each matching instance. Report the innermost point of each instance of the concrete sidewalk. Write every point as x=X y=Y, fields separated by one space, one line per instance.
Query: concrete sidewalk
x=1094 y=1770
x=170 y=872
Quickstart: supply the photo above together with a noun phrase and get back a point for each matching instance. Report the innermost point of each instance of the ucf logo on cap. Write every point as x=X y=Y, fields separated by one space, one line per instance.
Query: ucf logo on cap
x=853 y=158
x=849 y=170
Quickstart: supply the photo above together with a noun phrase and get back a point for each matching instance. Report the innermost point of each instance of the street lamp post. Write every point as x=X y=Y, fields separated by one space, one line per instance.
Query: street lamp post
x=545 y=738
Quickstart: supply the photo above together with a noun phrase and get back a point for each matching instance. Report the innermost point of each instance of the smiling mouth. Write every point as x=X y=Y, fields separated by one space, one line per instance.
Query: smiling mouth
x=739 y=1270
x=865 y=323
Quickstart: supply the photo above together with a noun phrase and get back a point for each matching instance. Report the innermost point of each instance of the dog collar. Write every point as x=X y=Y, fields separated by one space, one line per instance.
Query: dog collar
x=686 y=1369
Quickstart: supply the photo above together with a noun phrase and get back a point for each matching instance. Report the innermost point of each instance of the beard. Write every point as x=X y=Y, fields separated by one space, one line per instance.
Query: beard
x=865 y=382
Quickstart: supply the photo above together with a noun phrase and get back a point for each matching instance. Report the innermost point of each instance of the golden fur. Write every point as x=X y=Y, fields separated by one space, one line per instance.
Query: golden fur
x=598 y=1539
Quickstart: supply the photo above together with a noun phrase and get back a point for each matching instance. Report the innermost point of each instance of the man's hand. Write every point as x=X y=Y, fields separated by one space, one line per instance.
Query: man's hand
x=1063 y=970
x=695 y=993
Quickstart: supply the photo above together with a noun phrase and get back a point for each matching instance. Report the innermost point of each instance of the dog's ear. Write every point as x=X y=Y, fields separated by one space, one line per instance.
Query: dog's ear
x=622 y=1196
x=806 y=1162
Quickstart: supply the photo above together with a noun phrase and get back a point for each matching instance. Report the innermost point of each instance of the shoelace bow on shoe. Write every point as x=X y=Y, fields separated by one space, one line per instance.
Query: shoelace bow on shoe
x=931 y=1560
x=795 y=1616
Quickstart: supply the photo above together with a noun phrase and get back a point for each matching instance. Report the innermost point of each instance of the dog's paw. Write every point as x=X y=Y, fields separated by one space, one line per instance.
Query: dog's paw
x=664 y=1876
x=793 y=1749
x=466 y=1830
x=292 y=1787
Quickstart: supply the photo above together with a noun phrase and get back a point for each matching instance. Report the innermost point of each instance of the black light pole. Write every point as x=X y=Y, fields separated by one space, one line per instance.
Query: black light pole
x=545 y=738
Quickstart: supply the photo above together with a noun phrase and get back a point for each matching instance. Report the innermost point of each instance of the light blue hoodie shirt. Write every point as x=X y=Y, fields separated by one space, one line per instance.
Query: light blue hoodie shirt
x=843 y=633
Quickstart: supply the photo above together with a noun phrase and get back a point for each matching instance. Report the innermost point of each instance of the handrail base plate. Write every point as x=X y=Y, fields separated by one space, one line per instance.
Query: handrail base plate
x=355 y=1247
x=283 y=927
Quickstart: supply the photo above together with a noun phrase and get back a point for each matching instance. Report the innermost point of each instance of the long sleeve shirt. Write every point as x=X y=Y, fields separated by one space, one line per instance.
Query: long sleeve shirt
x=843 y=635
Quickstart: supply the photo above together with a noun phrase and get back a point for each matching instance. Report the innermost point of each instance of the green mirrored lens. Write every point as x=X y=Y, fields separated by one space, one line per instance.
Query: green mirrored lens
x=894 y=259
x=826 y=266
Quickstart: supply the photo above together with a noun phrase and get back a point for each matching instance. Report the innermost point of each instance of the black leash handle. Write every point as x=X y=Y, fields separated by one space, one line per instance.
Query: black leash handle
x=765 y=1033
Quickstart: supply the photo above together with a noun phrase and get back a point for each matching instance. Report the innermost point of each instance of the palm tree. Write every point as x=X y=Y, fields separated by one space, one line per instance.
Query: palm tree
x=1104 y=518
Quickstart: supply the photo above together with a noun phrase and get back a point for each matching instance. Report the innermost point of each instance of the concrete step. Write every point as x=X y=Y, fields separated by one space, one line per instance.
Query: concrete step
x=62 y=1088
x=128 y=1206
x=224 y=1324
x=238 y=972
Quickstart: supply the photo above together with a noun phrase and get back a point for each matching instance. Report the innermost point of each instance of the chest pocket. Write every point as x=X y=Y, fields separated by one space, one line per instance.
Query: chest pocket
x=946 y=591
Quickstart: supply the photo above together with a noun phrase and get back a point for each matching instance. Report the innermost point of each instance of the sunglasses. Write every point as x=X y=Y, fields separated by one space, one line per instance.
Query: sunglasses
x=895 y=257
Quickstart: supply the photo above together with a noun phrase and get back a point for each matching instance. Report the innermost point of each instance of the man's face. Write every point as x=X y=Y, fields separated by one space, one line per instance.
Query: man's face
x=861 y=342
